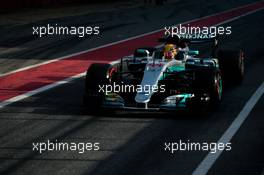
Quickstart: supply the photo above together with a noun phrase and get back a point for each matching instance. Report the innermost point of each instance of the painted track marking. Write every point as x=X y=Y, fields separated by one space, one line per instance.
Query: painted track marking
x=210 y=159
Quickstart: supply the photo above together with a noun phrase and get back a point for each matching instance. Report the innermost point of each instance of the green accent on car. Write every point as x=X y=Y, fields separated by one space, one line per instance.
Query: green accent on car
x=175 y=68
x=176 y=101
x=193 y=52
x=220 y=88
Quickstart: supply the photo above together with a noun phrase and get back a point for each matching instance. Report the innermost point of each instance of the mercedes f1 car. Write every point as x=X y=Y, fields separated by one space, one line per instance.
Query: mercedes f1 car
x=169 y=78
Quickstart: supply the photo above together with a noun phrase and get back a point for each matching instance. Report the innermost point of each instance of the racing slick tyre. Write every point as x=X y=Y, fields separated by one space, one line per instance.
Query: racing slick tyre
x=209 y=81
x=96 y=76
x=216 y=89
x=231 y=63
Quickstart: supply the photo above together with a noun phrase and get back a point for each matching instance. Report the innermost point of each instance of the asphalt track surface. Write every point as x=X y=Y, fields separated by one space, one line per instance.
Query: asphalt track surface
x=133 y=142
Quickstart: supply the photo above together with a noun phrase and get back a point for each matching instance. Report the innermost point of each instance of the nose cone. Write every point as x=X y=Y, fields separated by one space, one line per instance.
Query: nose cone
x=142 y=97
x=149 y=83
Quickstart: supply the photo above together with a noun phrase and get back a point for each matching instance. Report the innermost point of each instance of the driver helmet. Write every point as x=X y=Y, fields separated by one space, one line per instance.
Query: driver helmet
x=169 y=51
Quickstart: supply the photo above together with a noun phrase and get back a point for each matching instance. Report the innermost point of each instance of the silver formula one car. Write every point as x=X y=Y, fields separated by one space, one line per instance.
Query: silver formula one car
x=170 y=78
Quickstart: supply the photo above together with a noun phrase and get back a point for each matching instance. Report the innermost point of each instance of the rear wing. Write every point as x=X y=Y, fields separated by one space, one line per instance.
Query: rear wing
x=198 y=39
x=183 y=40
x=189 y=38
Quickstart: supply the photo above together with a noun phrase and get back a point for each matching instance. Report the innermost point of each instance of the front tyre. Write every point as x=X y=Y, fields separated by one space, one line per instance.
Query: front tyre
x=231 y=64
x=208 y=83
x=216 y=89
x=96 y=77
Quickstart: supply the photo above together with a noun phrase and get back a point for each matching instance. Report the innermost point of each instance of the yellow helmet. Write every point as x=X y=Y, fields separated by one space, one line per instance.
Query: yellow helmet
x=169 y=51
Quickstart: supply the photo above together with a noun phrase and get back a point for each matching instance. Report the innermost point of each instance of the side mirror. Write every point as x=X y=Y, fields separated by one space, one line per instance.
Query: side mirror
x=141 y=53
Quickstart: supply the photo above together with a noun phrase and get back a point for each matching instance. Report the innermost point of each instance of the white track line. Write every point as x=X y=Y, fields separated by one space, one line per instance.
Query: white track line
x=210 y=159
x=34 y=92
x=55 y=84
x=238 y=17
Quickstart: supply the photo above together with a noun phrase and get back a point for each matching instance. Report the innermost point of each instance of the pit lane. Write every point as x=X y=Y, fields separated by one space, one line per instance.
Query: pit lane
x=132 y=143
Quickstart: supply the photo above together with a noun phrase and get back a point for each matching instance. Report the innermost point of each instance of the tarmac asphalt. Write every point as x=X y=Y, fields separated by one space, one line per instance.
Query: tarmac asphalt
x=130 y=142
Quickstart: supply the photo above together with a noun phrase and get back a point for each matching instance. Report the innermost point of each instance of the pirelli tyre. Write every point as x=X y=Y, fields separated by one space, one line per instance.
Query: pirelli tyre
x=231 y=64
x=208 y=82
x=216 y=89
x=96 y=77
